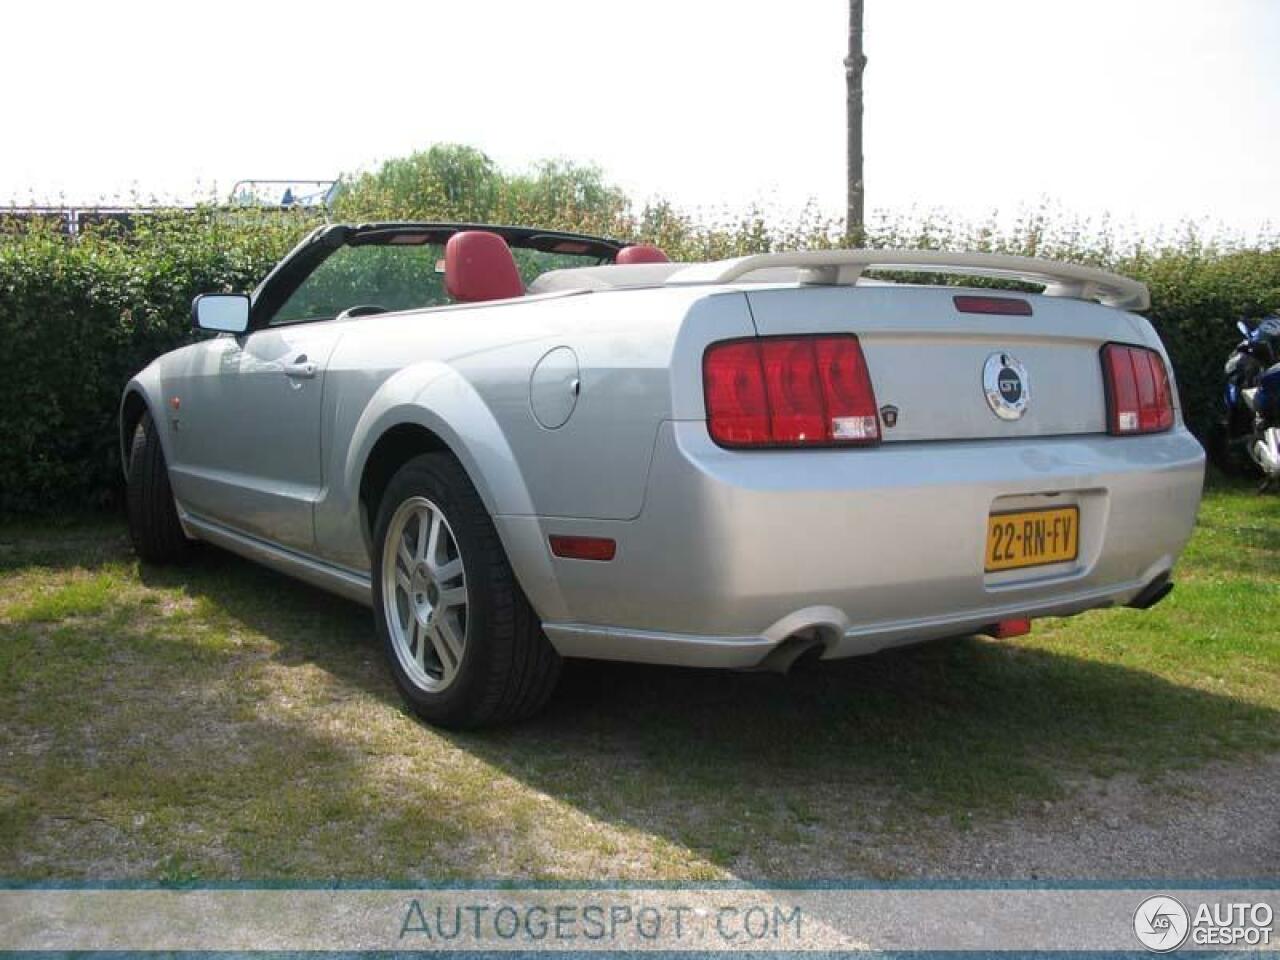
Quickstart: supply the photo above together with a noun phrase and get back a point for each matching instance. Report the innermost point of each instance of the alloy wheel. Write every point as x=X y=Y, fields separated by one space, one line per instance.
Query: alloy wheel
x=424 y=594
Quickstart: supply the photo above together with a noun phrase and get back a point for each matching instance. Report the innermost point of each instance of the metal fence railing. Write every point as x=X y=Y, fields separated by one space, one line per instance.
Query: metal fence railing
x=267 y=195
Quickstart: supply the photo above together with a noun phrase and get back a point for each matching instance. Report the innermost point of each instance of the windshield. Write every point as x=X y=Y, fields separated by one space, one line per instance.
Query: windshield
x=395 y=276
x=385 y=276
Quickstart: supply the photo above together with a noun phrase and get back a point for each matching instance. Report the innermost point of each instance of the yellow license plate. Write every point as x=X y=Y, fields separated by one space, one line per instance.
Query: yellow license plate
x=1031 y=538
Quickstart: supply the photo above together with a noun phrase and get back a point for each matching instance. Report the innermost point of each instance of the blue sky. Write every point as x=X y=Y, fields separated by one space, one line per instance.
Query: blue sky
x=1153 y=110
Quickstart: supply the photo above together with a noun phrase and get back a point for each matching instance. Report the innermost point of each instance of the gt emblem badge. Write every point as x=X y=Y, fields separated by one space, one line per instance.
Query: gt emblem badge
x=889 y=414
x=1004 y=381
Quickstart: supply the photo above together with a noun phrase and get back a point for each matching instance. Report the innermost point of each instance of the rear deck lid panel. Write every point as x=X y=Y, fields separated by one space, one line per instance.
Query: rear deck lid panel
x=927 y=359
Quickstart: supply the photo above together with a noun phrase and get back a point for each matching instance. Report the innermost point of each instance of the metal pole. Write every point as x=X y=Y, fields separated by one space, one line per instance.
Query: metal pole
x=854 y=64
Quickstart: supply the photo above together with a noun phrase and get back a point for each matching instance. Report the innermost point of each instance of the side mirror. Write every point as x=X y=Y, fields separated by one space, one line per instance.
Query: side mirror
x=1243 y=327
x=223 y=312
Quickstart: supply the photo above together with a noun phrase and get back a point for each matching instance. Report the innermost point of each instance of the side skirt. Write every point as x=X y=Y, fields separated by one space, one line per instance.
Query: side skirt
x=346 y=583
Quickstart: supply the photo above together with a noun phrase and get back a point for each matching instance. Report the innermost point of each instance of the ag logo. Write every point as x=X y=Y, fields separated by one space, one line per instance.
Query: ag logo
x=1161 y=923
x=1004 y=381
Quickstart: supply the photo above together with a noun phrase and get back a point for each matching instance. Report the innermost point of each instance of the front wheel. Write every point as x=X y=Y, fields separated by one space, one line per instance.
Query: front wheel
x=154 y=530
x=464 y=645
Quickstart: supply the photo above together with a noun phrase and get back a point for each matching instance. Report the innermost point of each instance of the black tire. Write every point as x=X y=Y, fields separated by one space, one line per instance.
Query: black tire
x=153 y=519
x=508 y=669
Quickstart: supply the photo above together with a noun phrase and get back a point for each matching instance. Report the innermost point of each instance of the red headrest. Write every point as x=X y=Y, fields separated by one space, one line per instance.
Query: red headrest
x=478 y=266
x=641 y=253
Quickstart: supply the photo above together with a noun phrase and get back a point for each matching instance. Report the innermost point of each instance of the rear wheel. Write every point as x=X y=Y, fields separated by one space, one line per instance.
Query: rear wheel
x=464 y=645
x=153 y=517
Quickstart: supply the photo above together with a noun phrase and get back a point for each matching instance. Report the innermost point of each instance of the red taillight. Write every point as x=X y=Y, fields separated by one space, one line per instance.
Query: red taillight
x=1139 y=399
x=793 y=390
x=583 y=548
x=1002 y=306
x=733 y=381
x=789 y=391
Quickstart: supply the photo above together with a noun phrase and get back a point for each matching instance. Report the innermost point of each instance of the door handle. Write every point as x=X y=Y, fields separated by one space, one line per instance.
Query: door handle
x=300 y=369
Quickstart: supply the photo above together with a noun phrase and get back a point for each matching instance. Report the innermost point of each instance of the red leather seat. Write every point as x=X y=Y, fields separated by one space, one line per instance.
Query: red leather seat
x=478 y=265
x=641 y=253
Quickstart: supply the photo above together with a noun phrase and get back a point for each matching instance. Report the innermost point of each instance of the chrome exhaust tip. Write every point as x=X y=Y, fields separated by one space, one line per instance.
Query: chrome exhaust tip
x=784 y=656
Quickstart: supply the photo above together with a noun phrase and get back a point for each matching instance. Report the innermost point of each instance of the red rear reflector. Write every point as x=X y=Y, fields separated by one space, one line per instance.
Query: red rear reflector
x=789 y=392
x=1139 y=398
x=1016 y=627
x=1004 y=306
x=583 y=548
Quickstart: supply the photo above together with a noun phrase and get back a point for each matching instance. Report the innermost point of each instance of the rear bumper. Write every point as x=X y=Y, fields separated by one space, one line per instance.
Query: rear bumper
x=735 y=552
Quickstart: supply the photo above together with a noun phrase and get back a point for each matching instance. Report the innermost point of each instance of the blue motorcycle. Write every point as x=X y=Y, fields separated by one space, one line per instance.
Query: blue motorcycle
x=1249 y=427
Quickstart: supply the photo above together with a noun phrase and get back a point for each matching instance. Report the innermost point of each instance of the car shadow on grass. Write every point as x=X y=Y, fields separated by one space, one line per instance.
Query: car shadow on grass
x=749 y=773
x=953 y=728
x=730 y=763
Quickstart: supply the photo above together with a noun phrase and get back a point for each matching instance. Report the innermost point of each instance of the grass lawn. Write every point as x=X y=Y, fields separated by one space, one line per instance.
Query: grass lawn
x=220 y=722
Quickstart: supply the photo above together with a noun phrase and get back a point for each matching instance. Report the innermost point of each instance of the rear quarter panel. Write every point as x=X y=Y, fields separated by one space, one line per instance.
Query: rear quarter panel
x=635 y=352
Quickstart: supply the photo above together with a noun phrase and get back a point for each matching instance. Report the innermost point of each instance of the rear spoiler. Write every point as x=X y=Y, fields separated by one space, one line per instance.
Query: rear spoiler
x=846 y=266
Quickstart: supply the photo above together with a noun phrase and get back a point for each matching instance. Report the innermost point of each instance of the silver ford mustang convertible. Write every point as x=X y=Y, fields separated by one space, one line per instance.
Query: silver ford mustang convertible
x=520 y=445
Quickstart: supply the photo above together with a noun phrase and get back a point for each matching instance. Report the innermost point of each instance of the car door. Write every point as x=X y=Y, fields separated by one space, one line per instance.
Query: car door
x=246 y=409
x=245 y=426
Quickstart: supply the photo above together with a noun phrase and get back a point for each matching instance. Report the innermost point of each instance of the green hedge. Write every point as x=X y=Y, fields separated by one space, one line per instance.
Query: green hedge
x=1196 y=299
x=78 y=317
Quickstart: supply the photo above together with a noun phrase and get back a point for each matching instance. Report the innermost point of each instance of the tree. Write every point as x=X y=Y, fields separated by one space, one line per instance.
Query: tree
x=454 y=182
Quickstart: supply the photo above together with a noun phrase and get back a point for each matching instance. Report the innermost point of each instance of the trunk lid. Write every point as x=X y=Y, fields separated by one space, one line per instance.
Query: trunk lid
x=927 y=359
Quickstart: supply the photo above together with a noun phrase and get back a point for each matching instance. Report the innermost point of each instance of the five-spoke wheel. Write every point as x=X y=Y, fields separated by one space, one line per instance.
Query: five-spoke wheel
x=424 y=593
x=465 y=647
